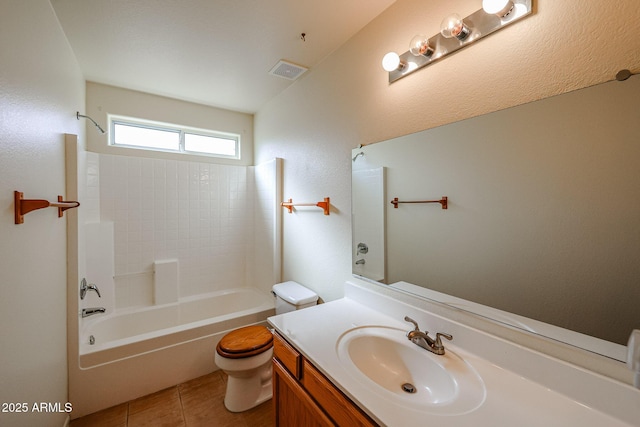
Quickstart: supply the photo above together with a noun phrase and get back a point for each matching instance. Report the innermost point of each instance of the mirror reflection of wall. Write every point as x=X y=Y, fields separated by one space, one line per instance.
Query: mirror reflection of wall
x=544 y=209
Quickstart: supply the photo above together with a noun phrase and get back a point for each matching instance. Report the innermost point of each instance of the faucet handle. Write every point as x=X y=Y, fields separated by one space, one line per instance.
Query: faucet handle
x=84 y=288
x=95 y=288
x=415 y=324
x=439 y=341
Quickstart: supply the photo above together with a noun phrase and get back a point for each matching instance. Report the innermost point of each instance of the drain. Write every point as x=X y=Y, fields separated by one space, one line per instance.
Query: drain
x=408 y=388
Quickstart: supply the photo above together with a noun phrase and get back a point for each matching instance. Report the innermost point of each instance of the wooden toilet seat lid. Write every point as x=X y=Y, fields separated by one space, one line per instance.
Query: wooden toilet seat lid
x=245 y=342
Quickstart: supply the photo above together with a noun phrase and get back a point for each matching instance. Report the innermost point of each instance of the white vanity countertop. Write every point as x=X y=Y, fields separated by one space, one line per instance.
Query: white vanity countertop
x=511 y=399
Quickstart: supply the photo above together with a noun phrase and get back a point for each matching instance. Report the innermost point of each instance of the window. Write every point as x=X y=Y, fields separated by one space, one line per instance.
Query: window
x=148 y=135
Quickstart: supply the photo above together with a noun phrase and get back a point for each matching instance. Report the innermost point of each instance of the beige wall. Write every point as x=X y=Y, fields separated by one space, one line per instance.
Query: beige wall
x=346 y=101
x=41 y=88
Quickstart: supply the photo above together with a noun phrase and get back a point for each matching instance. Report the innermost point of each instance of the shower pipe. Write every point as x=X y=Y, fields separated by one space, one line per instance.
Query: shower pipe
x=78 y=115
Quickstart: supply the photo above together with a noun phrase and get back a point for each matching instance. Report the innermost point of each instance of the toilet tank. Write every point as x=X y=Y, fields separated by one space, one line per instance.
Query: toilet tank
x=292 y=296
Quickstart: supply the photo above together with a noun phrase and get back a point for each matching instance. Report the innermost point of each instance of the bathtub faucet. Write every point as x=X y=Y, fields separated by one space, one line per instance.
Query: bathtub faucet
x=84 y=288
x=86 y=312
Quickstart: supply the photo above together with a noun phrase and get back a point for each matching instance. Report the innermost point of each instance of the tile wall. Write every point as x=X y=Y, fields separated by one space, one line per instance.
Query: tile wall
x=199 y=213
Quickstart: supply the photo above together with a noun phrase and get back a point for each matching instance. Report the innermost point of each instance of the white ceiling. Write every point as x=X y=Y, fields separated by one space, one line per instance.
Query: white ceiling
x=214 y=52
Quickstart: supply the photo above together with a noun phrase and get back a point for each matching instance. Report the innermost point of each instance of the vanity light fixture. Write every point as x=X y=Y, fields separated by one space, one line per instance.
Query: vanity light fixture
x=454 y=26
x=455 y=33
x=391 y=62
x=500 y=8
x=420 y=45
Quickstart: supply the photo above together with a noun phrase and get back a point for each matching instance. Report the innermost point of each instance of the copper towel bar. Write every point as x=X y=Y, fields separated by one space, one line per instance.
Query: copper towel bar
x=324 y=205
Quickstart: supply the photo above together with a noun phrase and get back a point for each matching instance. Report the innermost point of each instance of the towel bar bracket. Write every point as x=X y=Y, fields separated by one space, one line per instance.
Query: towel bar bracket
x=24 y=206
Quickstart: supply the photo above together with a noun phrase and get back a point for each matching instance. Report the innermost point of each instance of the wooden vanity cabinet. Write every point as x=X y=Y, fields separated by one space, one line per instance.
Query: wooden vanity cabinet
x=303 y=396
x=293 y=407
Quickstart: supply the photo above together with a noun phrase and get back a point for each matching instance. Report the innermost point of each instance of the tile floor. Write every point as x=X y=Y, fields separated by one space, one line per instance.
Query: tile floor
x=198 y=402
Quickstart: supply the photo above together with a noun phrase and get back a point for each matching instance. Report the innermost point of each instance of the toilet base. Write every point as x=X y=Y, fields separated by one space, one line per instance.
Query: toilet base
x=248 y=391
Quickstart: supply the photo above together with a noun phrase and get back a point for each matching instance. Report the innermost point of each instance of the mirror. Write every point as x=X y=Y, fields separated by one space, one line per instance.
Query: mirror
x=543 y=215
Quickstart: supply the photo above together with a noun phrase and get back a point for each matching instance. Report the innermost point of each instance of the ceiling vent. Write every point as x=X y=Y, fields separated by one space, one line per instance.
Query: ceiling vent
x=287 y=70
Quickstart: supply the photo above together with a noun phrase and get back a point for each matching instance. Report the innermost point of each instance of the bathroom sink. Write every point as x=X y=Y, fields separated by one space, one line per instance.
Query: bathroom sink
x=385 y=361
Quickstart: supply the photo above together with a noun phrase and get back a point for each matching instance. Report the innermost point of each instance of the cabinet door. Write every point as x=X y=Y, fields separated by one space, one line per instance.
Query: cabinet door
x=337 y=406
x=292 y=405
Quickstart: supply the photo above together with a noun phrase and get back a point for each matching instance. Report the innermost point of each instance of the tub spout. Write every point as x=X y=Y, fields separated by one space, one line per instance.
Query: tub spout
x=86 y=312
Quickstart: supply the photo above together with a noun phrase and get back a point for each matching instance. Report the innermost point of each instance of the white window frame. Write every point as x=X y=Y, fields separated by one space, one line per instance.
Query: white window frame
x=168 y=127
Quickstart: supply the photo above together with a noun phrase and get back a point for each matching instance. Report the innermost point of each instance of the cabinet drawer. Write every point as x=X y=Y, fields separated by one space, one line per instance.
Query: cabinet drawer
x=338 y=406
x=287 y=355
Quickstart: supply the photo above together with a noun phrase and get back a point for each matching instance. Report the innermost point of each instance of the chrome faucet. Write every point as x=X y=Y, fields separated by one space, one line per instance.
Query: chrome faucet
x=84 y=288
x=86 y=312
x=423 y=339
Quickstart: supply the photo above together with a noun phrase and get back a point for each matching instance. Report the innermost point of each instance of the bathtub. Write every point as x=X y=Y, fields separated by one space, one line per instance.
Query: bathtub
x=140 y=351
x=131 y=332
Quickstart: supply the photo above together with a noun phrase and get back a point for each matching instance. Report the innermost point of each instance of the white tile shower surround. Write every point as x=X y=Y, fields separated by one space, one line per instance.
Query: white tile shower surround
x=91 y=200
x=200 y=213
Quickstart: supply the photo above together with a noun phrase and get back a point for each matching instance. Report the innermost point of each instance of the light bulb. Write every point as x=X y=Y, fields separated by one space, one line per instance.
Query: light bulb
x=452 y=26
x=391 y=62
x=419 y=45
x=500 y=8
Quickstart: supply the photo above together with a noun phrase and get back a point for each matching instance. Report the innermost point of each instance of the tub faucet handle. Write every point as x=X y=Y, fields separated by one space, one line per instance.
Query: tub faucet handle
x=94 y=288
x=84 y=288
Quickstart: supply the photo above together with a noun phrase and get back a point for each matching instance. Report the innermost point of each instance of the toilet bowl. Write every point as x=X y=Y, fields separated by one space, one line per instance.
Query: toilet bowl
x=245 y=354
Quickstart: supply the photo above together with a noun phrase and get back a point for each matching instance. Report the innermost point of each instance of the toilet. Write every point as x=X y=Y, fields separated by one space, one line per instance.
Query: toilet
x=245 y=354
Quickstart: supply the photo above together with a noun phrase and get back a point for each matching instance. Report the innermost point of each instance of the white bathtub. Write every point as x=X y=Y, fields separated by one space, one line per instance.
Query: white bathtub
x=140 y=351
x=131 y=332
